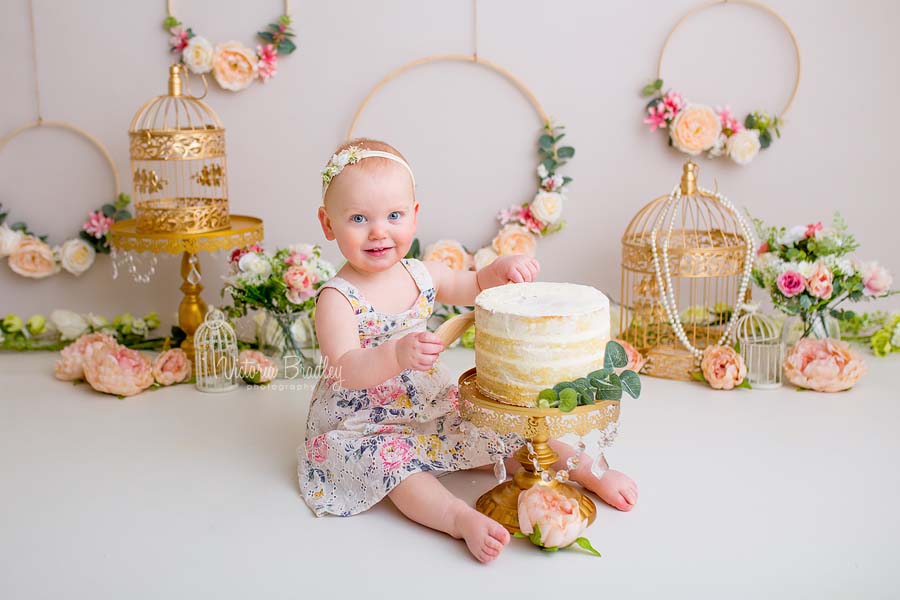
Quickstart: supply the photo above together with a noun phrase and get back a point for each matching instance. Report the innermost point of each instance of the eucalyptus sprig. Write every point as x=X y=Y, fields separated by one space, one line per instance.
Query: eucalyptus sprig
x=602 y=384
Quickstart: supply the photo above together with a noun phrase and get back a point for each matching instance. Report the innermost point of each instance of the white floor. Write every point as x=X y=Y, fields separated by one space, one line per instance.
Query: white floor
x=178 y=494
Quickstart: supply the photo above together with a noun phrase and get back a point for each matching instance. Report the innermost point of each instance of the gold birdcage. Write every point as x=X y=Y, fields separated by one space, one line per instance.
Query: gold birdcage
x=686 y=260
x=178 y=169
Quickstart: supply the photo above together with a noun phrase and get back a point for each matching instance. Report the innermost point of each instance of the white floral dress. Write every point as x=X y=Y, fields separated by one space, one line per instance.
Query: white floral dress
x=361 y=443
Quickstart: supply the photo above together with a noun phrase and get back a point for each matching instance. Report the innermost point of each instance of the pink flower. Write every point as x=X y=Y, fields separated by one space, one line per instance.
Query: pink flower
x=385 y=393
x=70 y=366
x=530 y=221
x=300 y=278
x=635 y=360
x=824 y=365
x=876 y=279
x=763 y=248
x=395 y=453
x=97 y=224
x=453 y=397
x=674 y=103
x=317 y=448
x=656 y=116
x=256 y=367
x=118 y=370
x=819 y=283
x=722 y=367
x=179 y=39
x=268 y=61
x=171 y=366
x=791 y=283
x=729 y=122
x=812 y=228
x=558 y=517
x=513 y=213
x=237 y=253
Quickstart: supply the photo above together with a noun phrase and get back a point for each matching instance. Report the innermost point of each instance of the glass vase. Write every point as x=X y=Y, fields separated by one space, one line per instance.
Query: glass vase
x=816 y=325
x=289 y=338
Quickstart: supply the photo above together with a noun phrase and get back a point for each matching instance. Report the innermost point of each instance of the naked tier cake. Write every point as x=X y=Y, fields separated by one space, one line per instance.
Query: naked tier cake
x=531 y=336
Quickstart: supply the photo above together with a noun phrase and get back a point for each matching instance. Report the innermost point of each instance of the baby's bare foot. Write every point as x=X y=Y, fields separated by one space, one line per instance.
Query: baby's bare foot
x=615 y=488
x=484 y=536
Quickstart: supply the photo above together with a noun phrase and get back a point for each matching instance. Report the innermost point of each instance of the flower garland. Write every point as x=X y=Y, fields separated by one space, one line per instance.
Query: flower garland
x=697 y=128
x=233 y=65
x=29 y=255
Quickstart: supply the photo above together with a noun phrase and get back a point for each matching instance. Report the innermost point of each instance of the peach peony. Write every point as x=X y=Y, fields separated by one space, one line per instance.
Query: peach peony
x=234 y=66
x=558 y=517
x=514 y=239
x=33 y=258
x=635 y=359
x=695 y=129
x=118 y=370
x=171 y=366
x=451 y=253
x=824 y=365
x=70 y=366
x=820 y=283
x=256 y=367
x=722 y=367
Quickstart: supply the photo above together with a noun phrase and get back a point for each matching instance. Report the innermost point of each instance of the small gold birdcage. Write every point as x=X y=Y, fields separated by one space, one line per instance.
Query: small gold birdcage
x=178 y=169
x=686 y=260
x=216 y=354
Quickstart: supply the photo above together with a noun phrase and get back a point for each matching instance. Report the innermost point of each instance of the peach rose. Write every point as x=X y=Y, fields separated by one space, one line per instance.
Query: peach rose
x=256 y=367
x=171 y=366
x=558 y=517
x=876 y=279
x=33 y=258
x=234 y=66
x=635 y=360
x=118 y=370
x=722 y=367
x=451 y=253
x=483 y=257
x=695 y=129
x=70 y=366
x=514 y=239
x=819 y=283
x=824 y=365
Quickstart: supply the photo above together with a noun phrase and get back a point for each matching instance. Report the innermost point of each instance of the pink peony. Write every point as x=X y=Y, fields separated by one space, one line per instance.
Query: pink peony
x=729 y=121
x=819 y=283
x=268 y=61
x=722 y=367
x=812 y=228
x=171 y=366
x=97 y=224
x=635 y=360
x=70 y=366
x=791 y=283
x=656 y=116
x=118 y=370
x=256 y=367
x=395 y=453
x=557 y=516
x=824 y=365
x=317 y=449
x=876 y=279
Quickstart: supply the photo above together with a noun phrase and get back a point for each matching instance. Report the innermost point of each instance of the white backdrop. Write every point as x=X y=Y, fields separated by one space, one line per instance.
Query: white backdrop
x=469 y=135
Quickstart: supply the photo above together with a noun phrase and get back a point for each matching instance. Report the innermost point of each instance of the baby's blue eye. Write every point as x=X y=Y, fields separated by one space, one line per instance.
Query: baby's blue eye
x=394 y=215
x=358 y=218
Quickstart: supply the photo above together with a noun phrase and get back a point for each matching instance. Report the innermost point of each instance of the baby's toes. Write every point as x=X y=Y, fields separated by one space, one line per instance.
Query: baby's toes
x=499 y=534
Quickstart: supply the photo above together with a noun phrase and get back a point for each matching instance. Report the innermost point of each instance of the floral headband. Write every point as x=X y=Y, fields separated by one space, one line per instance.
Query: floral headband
x=353 y=155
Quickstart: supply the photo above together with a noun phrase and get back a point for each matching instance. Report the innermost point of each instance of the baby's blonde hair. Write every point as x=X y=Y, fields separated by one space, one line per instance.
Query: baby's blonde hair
x=373 y=163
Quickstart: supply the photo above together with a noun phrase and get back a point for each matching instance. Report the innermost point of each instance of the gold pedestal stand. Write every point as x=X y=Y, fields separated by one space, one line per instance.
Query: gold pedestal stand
x=124 y=237
x=538 y=426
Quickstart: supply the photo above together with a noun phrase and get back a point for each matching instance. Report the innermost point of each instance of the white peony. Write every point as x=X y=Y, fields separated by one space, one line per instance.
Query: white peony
x=743 y=146
x=793 y=235
x=484 y=257
x=69 y=324
x=542 y=171
x=198 y=55
x=76 y=256
x=255 y=266
x=9 y=240
x=547 y=207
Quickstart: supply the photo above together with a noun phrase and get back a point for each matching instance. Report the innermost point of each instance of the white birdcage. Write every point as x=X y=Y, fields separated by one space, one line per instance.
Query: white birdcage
x=761 y=348
x=216 y=352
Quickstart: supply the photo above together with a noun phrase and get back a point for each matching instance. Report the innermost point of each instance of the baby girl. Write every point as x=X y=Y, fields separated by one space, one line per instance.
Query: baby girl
x=383 y=421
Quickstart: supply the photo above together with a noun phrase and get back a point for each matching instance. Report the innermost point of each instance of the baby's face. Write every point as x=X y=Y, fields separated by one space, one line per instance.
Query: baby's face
x=372 y=216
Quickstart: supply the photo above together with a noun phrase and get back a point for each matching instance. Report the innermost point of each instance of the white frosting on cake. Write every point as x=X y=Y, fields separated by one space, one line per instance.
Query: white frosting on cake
x=542 y=299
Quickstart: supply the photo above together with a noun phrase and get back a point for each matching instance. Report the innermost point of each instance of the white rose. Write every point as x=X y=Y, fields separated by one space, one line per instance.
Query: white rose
x=547 y=207
x=484 y=257
x=301 y=329
x=76 y=256
x=69 y=324
x=9 y=240
x=793 y=235
x=255 y=265
x=542 y=171
x=198 y=55
x=743 y=146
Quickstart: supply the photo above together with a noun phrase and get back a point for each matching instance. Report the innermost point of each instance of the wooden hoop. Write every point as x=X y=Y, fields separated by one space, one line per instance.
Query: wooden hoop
x=287 y=8
x=754 y=4
x=467 y=58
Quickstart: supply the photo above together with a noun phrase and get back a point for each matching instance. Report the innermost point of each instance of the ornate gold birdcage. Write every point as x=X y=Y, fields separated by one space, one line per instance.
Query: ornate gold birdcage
x=178 y=170
x=686 y=260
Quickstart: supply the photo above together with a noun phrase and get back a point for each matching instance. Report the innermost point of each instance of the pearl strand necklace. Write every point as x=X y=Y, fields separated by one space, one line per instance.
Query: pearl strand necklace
x=667 y=297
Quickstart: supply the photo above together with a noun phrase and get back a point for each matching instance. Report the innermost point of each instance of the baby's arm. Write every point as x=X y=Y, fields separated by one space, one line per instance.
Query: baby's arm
x=461 y=287
x=361 y=368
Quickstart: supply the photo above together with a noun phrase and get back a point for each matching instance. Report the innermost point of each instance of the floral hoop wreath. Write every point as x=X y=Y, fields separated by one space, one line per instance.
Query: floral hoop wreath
x=521 y=225
x=233 y=65
x=697 y=128
x=29 y=255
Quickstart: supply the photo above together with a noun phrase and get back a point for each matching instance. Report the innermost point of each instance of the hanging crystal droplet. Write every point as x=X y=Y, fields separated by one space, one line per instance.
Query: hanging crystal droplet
x=500 y=471
x=572 y=463
x=562 y=476
x=114 y=259
x=545 y=477
x=194 y=275
x=598 y=468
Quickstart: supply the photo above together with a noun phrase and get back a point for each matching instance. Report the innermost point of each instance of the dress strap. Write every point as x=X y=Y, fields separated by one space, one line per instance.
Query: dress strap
x=419 y=273
x=349 y=291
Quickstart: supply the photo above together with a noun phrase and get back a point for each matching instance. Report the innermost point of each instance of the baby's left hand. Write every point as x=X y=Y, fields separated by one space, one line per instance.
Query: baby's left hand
x=515 y=268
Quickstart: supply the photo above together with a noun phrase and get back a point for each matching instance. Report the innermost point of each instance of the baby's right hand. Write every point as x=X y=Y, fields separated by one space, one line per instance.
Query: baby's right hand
x=418 y=351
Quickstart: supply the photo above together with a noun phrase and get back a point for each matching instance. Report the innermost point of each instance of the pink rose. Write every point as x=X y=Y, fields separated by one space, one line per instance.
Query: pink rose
x=300 y=278
x=791 y=283
x=171 y=366
x=317 y=449
x=824 y=365
x=395 y=453
x=558 y=517
x=118 y=370
x=722 y=367
x=876 y=279
x=33 y=258
x=256 y=367
x=70 y=366
x=819 y=283
x=635 y=360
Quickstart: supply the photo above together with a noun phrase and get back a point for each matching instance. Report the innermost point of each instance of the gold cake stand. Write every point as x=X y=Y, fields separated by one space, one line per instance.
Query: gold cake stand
x=538 y=426
x=124 y=237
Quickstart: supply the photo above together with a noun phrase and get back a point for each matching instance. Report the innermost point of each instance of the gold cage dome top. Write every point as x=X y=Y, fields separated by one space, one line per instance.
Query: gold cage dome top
x=176 y=110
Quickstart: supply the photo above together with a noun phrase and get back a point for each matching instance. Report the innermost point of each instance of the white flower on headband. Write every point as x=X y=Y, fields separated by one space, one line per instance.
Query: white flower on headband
x=340 y=160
